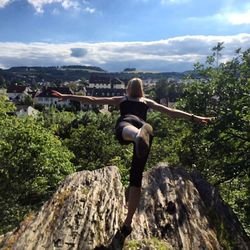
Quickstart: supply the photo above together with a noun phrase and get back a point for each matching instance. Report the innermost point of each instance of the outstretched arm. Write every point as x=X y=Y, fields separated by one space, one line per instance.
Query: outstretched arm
x=175 y=113
x=89 y=99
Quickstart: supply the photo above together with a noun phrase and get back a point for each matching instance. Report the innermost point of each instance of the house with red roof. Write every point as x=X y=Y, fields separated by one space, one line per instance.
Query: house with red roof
x=45 y=97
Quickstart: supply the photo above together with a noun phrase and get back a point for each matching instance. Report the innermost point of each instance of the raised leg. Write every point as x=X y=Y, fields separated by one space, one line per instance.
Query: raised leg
x=129 y=133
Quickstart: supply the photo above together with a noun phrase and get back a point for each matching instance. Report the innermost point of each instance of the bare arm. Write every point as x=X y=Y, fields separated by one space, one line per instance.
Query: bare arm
x=89 y=99
x=175 y=113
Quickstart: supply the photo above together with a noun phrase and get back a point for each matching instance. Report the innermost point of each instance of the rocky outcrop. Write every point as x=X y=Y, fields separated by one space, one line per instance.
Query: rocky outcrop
x=177 y=211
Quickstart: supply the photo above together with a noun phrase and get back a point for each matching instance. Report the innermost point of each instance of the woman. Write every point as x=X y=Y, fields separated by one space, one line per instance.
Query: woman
x=131 y=127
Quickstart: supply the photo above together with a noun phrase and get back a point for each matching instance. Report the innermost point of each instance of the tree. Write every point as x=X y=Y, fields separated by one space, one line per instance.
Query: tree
x=3 y=82
x=167 y=89
x=83 y=82
x=220 y=151
x=92 y=141
x=28 y=100
x=219 y=47
x=5 y=106
x=32 y=163
x=59 y=123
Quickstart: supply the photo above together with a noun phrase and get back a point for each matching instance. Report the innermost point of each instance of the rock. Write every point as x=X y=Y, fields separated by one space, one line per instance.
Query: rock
x=177 y=211
x=187 y=212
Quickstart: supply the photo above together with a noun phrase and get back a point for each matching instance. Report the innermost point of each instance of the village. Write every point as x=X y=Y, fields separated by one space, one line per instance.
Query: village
x=30 y=100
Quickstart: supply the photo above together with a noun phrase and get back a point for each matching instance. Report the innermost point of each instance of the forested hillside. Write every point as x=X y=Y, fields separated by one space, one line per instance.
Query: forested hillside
x=57 y=75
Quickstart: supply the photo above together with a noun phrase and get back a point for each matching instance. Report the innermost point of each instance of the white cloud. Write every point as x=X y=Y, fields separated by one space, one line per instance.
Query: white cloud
x=174 y=54
x=3 y=3
x=90 y=10
x=237 y=18
x=227 y=16
x=66 y=4
x=55 y=11
x=39 y=4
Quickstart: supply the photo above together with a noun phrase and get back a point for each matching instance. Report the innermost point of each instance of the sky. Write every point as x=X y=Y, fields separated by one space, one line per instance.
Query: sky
x=150 y=35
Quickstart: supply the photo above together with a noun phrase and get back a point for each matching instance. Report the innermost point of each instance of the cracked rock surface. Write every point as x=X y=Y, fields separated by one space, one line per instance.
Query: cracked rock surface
x=177 y=211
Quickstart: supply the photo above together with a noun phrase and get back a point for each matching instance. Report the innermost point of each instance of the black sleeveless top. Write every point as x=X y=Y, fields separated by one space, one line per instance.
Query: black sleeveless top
x=136 y=108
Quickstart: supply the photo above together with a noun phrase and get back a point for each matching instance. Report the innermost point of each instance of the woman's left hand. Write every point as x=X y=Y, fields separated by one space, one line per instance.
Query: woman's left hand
x=201 y=119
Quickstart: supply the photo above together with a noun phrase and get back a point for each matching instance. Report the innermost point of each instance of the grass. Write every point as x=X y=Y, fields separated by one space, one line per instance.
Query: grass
x=152 y=244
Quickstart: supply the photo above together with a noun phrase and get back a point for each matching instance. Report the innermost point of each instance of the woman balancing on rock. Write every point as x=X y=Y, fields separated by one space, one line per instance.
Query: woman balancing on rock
x=131 y=127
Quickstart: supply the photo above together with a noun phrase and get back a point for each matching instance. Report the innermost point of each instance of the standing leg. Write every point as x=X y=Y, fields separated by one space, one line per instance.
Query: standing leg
x=133 y=203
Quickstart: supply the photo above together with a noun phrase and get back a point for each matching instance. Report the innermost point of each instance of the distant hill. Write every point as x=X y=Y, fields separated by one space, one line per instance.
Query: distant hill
x=33 y=75
x=83 y=68
x=70 y=67
x=150 y=74
x=50 y=74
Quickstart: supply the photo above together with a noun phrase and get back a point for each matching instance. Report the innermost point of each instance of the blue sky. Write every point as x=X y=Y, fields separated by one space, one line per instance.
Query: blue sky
x=160 y=35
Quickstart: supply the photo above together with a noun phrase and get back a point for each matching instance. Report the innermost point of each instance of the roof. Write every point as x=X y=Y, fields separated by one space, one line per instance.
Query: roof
x=47 y=92
x=116 y=81
x=16 y=89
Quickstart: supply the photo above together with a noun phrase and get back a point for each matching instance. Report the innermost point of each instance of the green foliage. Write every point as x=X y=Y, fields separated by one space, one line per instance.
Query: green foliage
x=81 y=142
x=91 y=139
x=28 y=100
x=217 y=50
x=220 y=151
x=5 y=106
x=226 y=96
x=237 y=193
x=168 y=134
x=57 y=122
x=32 y=163
x=93 y=143
x=167 y=89
x=3 y=82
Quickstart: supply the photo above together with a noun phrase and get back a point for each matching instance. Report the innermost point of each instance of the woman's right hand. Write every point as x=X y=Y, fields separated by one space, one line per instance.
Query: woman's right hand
x=60 y=96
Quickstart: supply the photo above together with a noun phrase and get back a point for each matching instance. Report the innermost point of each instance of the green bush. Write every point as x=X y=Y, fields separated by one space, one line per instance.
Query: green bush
x=32 y=163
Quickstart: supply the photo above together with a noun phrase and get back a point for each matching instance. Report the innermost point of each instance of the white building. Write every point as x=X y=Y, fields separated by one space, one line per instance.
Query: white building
x=106 y=82
x=17 y=93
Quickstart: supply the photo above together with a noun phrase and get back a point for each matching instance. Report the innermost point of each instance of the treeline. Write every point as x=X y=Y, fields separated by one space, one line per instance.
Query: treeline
x=37 y=153
x=58 y=75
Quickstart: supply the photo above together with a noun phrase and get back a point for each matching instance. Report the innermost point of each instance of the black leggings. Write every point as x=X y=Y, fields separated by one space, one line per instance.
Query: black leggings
x=138 y=164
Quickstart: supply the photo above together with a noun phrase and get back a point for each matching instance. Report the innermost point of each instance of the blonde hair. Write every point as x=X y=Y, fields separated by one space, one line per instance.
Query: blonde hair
x=135 y=88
